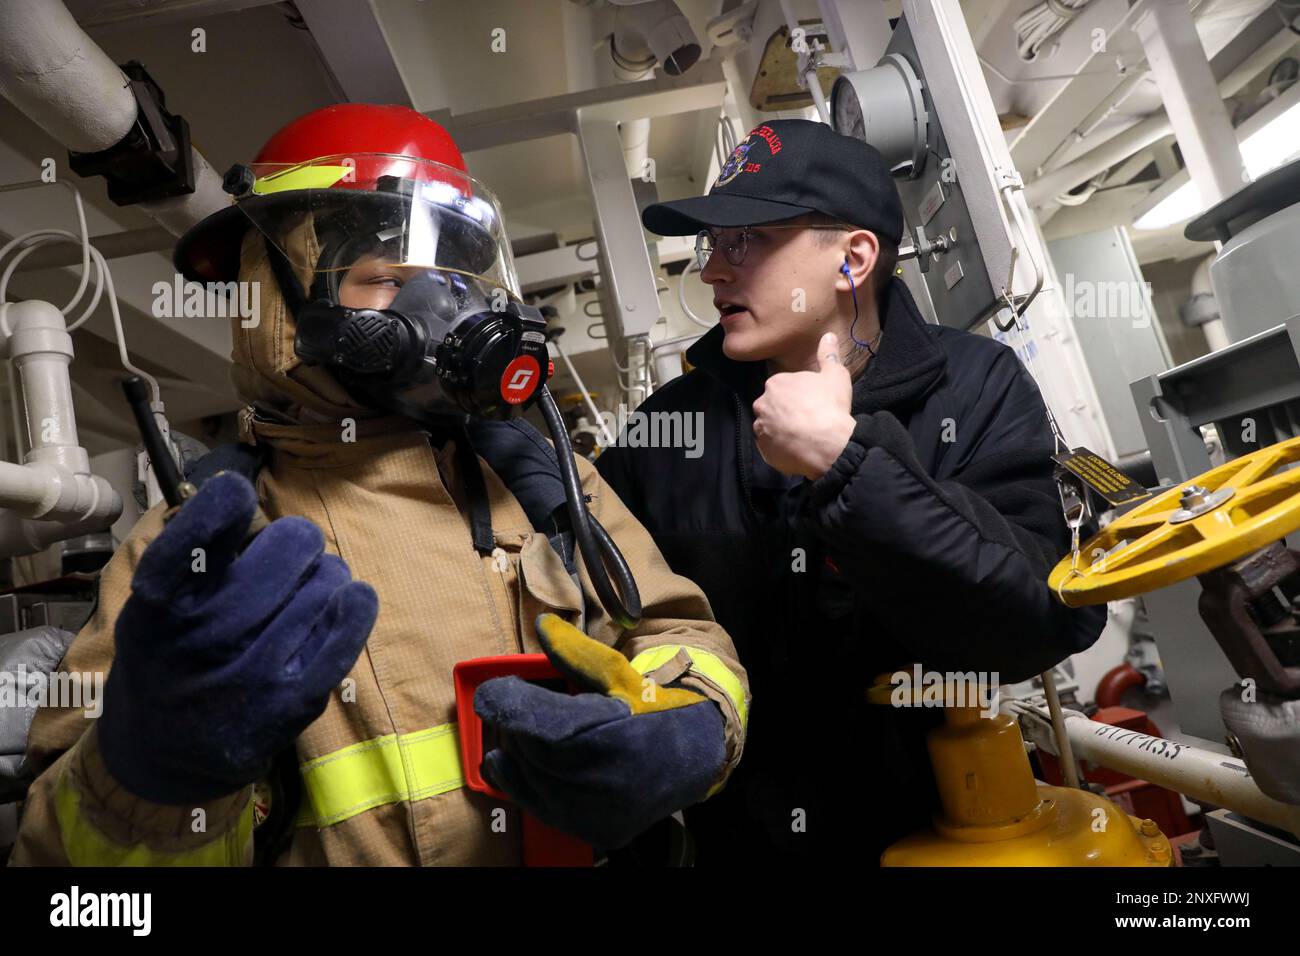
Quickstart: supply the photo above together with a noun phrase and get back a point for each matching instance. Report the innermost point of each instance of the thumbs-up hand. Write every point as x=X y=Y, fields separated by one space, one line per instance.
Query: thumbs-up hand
x=802 y=421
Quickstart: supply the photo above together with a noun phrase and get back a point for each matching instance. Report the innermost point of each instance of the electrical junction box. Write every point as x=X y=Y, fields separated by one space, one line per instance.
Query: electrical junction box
x=926 y=107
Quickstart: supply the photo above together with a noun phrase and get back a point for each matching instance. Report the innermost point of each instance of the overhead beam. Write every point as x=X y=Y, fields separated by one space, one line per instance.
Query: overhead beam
x=1191 y=96
x=96 y=14
x=128 y=242
x=555 y=115
x=353 y=44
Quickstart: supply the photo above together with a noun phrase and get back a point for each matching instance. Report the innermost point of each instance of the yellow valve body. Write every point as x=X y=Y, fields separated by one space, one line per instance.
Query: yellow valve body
x=994 y=814
x=1069 y=828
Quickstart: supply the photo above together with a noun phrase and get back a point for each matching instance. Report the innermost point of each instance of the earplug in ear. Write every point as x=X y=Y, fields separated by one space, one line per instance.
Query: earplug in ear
x=854 y=289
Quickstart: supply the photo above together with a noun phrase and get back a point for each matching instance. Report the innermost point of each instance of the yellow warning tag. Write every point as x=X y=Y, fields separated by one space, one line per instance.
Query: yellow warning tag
x=1101 y=476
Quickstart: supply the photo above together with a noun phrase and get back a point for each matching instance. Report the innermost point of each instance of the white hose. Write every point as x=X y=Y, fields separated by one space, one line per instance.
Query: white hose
x=1078 y=199
x=681 y=297
x=1043 y=21
x=31 y=241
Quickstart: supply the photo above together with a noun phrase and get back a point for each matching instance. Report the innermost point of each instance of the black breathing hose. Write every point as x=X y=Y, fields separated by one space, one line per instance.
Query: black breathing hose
x=597 y=548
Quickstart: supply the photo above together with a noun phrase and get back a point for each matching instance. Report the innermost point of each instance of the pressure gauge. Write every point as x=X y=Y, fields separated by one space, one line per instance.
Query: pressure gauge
x=883 y=106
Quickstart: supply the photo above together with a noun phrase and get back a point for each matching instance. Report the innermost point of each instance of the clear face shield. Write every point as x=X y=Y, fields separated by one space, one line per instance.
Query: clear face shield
x=425 y=214
x=412 y=297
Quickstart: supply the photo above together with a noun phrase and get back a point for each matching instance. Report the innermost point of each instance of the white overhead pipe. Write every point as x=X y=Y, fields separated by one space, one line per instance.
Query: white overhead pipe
x=635 y=134
x=1216 y=336
x=55 y=74
x=52 y=495
x=60 y=79
x=646 y=34
x=633 y=61
x=659 y=27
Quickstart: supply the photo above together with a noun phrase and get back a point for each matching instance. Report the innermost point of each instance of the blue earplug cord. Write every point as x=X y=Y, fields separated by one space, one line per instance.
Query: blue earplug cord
x=854 y=289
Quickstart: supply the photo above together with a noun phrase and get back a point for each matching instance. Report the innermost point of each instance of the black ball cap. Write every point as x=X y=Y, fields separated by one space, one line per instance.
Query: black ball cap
x=788 y=168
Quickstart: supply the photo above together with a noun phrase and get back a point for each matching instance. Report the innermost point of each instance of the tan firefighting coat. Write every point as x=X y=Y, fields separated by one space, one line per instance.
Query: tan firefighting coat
x=391 y=505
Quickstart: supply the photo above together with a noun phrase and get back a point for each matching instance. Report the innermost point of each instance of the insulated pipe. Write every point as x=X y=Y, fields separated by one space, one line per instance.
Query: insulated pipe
x=631 y=65
x=23 y=536
x=179 y=213
x=1201 y=284
x=60 y=79
x=56 y=75
x=1200 y=774
x=635 y=134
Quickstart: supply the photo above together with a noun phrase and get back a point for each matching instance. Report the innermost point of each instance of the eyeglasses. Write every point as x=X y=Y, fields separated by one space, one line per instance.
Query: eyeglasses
x=706 y=241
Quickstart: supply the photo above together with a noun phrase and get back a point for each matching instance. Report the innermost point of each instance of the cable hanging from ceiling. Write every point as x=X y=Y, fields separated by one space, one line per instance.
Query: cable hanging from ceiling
x=1043 y=21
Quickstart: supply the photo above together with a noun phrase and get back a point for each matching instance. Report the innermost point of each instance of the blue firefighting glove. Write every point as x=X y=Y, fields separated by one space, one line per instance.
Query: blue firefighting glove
x=223 y=658
x=601 y=766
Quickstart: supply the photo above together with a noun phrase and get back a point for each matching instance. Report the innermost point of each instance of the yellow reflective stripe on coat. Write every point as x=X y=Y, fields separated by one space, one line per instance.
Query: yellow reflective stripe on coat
x=87 y=846
x=703 y=664
x=304 y=177
x=380 y=771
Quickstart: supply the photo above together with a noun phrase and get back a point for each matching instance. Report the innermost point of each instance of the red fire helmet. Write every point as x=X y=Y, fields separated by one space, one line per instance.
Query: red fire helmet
x=420 y=194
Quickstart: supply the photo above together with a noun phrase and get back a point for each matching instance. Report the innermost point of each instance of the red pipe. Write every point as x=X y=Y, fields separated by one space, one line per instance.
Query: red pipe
x=1113 y=684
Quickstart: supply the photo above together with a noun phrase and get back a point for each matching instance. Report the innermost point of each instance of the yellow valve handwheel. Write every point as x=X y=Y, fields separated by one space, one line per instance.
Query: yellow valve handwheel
x=1197 y=526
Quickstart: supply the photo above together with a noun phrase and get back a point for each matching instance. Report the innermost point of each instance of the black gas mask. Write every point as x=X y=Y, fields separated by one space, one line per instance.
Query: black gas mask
x=456 y=340
x=446 y=347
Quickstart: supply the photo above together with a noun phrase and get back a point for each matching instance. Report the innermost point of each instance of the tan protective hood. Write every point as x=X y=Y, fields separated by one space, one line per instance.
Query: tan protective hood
x=266 y=372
